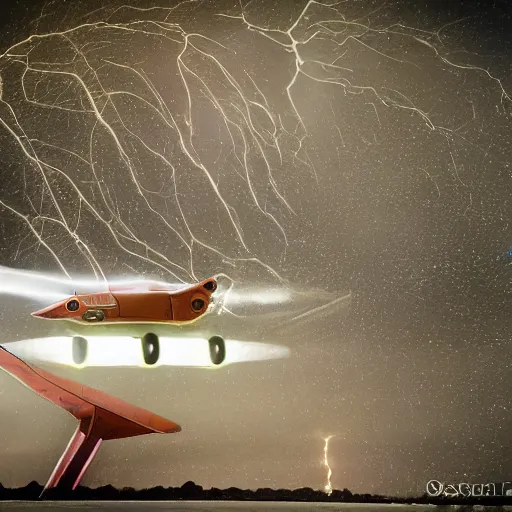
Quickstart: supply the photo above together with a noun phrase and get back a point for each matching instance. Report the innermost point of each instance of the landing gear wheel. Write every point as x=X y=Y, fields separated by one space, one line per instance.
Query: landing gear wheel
x=94 y=315
x=150 y=348
x=217 y=349
x=79 y=346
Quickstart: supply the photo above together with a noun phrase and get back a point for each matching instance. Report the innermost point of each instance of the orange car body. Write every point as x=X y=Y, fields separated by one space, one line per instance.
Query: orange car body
x=135 y=303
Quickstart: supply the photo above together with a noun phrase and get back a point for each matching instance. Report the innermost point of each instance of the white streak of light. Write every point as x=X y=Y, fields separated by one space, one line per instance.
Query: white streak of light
x=46 y=288
x=126 y=351
x=258 y=296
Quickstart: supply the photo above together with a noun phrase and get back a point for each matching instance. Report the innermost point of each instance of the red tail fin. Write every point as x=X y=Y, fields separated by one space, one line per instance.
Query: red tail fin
x=101 y=417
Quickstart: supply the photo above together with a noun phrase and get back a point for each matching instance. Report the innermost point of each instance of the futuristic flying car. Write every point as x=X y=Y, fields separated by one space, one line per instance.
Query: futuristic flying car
x=134 y=302
x=138 y=303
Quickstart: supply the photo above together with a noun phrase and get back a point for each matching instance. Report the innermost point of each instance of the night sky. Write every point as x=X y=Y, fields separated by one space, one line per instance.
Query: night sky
x=357 y=154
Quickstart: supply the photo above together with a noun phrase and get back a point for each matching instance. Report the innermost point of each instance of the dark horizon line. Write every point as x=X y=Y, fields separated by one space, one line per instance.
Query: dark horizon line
x=190 y=491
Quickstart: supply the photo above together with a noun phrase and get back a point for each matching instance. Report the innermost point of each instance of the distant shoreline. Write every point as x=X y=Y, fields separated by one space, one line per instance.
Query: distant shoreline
x=234 y=502
x=193 y=492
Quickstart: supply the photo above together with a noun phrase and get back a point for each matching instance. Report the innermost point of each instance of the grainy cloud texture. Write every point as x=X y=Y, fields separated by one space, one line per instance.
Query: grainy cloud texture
x=350 y=158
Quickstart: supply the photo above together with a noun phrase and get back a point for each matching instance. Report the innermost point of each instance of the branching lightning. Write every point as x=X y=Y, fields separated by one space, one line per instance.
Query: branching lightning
x=82 y=92
x=117 y=170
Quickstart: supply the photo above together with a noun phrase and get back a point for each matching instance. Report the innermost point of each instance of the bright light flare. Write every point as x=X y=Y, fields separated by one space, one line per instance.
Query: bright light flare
x=126 y=351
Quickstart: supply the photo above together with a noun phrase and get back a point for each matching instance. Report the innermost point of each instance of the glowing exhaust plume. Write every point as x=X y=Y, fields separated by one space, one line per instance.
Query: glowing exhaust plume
x=328 y=486
x=126 y=351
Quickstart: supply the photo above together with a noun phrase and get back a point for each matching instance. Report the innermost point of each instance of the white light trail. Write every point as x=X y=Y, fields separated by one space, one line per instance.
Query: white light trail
x=126 y=351
x=45 y=288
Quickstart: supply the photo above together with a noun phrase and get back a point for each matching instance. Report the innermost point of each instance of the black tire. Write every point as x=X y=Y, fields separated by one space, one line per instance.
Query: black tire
x=150 y=348
x=217 y=349
x=94 y=315
x=80 y=348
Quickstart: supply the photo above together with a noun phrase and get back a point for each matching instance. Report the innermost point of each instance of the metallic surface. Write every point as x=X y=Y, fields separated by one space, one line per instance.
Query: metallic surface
x=131 y=303
x=101 y=416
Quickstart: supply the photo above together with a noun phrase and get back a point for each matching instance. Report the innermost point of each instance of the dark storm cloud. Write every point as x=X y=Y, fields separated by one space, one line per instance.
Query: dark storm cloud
x=383 y=171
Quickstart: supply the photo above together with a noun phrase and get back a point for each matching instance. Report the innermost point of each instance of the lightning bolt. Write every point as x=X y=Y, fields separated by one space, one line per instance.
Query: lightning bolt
x=328 y=486
x=114 y=163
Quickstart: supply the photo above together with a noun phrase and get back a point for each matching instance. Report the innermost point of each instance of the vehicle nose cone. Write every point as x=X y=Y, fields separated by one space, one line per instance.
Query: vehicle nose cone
x=43 y=313
x=48 y=312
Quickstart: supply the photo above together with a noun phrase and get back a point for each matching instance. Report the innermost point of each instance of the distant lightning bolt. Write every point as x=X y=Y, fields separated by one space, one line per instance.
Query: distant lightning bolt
x=328 y=486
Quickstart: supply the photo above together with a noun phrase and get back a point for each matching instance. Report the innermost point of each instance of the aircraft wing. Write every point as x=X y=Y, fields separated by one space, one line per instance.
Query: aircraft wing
x=102 y=417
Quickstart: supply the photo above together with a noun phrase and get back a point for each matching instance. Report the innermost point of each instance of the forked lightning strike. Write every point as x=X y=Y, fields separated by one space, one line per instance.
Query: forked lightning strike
x=123 y=127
